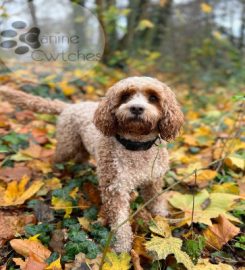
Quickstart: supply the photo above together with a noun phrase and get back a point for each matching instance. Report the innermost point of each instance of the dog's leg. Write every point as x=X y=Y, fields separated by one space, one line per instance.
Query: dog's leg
x=149 y=190
x=116 y=206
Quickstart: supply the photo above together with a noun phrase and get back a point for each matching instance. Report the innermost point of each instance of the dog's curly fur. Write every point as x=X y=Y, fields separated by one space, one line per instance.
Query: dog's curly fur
x=90 y=128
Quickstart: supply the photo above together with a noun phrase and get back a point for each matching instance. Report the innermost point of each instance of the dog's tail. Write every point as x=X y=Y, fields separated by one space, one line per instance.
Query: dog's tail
x=33 y=103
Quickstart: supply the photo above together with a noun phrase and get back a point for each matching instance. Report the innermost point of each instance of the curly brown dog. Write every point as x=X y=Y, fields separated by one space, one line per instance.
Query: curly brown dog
x=122 y=132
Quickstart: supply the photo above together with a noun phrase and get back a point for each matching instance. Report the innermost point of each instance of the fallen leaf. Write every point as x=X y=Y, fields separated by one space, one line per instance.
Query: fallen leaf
x=92 y=192
x=73 y=192
x=39 y=135
x=55 y=265
x=114 y=261
x=61 y=204
x=190 y=140
x=4 y=123
x=229 y=187
x=53 y=183
x=44 y=167
x=85 y=223
x=20 y=157
x=34 y=263
x=219 y=204
x=203 y=178
x=235 y=162
x=160 y=226
x=31 y=263
x=160 y=248
x=219 y=234
x=67 y=89
x=35 y=238
x=83 y=204
x=27 y=247
x=24 y=115
x=33 y=151
x=82 y=262
x=17 y=193
x=204 y=264
x=12 y=224
x=16 y=173
x=20 y=262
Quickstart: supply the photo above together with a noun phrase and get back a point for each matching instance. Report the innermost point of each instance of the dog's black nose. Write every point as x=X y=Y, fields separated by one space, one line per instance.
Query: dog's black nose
x=137 y=109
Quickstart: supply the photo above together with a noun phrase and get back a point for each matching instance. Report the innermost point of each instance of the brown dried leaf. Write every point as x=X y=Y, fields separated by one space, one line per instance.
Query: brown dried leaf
x=26 y=247
x=11 y=224
x=92 y=192
x=33 y=151
x=7 y=174
x=219 y=234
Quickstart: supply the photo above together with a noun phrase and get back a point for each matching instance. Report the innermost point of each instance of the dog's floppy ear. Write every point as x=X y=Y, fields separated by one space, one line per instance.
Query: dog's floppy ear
x=104 y=117
x=172 y=117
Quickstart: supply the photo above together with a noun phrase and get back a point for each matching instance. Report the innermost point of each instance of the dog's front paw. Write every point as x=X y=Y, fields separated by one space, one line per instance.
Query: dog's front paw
x=124 y=239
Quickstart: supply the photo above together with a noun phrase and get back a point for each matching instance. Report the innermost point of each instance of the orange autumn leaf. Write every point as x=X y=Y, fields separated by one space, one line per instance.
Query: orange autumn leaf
x=33 y=151
x=27 y=247
x=31 y=263
x=219 y=234
x=17 y=193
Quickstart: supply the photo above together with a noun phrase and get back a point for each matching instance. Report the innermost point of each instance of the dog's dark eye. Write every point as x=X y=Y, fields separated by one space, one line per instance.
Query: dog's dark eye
x=125 y=97
x=153 y=98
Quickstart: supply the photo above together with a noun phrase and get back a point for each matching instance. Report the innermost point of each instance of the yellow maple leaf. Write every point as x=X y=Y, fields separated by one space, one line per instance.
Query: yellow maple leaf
x=61 y=204
x=117 y=262
x=55 y=265
x=206 y=8
x=207 y=206
x=17 y=193
x=160 y=248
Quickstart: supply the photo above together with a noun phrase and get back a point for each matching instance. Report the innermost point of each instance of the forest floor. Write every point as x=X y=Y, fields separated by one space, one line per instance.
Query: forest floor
x=50 y=215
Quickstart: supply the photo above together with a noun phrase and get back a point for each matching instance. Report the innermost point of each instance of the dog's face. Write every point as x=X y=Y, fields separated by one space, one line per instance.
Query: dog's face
x=139 y=106
x=138 y=110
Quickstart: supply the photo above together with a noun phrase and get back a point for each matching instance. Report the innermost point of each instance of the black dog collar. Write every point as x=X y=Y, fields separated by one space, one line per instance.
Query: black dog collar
x=136 y=146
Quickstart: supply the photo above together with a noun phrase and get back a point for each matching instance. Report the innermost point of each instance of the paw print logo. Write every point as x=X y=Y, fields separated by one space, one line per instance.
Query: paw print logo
x=30 y=38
